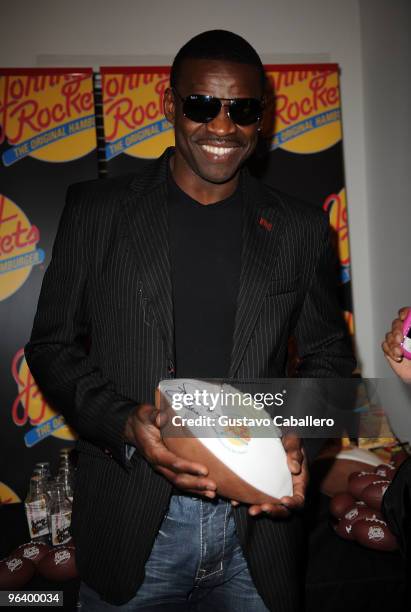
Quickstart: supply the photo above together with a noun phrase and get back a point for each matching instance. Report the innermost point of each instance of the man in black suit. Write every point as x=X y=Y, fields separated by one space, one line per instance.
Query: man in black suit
x=191 y=269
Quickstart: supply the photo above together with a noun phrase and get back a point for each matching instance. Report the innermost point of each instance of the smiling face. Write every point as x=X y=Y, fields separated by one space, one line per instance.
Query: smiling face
x=208 y=156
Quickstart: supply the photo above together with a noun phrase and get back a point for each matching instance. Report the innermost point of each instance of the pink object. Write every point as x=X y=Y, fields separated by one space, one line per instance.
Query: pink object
x=406 y=343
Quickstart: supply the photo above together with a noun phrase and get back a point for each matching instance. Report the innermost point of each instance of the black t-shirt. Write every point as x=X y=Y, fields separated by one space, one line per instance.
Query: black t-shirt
x=205 y=253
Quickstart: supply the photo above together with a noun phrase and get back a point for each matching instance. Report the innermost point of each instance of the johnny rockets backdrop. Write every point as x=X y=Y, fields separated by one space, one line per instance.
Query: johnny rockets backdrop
x=48 y=141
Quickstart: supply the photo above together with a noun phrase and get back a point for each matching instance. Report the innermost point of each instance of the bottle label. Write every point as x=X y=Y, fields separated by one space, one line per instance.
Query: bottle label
x=36 y=513
x=60 y=528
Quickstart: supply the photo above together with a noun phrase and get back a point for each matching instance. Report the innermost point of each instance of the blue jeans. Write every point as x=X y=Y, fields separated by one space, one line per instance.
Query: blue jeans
x=196 y=565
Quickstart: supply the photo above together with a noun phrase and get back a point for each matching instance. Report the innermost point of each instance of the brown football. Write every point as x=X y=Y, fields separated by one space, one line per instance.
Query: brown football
x=344 y=529
x=357 y=512
x=331 y=474
x=15 y=572
x=357 y=481
x=34 y=551
x=340 y=503
x=59 y=564
x=385 y=471
x=372 y=494
x=374 y=534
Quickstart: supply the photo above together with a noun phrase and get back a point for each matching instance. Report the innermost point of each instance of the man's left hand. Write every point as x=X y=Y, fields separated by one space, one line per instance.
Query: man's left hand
x=297 y=464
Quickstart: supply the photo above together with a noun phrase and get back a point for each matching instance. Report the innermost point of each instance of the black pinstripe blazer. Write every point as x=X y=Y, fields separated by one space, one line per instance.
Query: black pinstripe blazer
x=103 y=338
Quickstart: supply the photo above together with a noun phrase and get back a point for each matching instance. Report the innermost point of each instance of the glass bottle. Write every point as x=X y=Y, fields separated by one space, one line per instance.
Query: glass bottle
x=60 y=514
x=64 y=476
x=44 y=466
x=37 y=510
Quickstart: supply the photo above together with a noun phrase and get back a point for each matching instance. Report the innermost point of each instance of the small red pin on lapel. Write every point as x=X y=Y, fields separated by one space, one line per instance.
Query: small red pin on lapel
x=265 y=224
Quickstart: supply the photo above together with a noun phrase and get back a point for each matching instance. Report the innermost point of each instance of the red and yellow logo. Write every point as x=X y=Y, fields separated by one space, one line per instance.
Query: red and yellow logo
x=304 y=116
x=47 y=114
x=31 y=407
x=7 y=495
x=18 y=247
x=336 y=206
x=134 y=121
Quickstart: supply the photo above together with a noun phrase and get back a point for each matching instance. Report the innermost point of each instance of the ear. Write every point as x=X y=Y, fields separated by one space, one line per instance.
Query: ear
x=169 y=105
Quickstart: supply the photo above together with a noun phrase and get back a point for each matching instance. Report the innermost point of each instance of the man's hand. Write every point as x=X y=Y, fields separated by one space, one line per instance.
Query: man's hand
x=392 y=347
x=297 y=464
x=143 y=431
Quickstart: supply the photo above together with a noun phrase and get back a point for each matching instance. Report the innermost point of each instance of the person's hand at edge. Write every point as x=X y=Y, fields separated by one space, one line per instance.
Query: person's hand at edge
x=392 y=347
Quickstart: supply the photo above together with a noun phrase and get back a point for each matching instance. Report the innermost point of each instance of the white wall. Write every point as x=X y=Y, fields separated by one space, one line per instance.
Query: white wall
x=94 y=32
x=386 y=52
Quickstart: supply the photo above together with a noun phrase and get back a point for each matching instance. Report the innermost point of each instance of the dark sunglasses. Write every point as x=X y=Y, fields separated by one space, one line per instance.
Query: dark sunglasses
x=203 y=109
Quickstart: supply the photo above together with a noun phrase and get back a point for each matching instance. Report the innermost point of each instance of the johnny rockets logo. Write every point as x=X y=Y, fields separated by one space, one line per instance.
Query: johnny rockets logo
x=306 y=112
x=134 y=121
x=18 y=247
x=336 y=206
x=46 y=116
x=31 y=408
x=234 y=438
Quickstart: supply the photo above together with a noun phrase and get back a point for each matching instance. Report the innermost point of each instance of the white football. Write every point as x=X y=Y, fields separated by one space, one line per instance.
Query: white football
x=217 y=425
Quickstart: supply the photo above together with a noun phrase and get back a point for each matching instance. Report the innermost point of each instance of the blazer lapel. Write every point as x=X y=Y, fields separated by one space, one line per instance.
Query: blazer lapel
x=262 y=224
x=146 y=218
